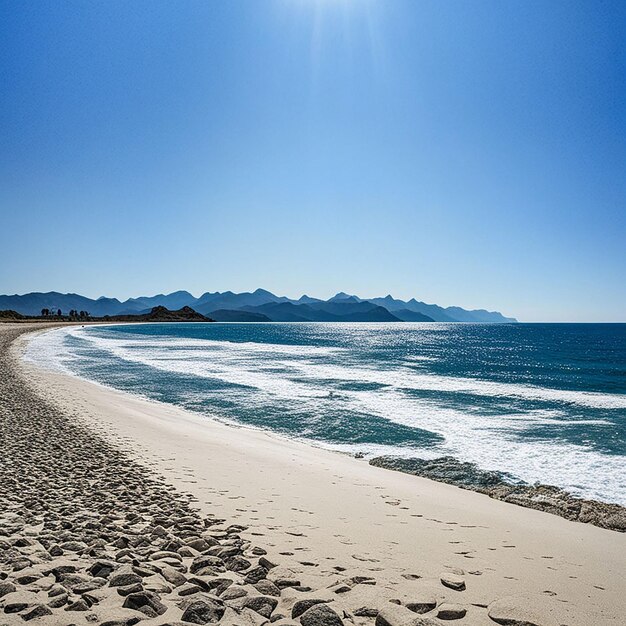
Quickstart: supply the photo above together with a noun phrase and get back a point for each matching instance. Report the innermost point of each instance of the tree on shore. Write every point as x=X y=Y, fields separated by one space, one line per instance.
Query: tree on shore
x=59 y=313
x=45 y=312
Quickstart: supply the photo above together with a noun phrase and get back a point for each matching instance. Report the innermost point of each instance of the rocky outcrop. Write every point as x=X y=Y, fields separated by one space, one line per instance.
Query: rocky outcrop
x=161 y=314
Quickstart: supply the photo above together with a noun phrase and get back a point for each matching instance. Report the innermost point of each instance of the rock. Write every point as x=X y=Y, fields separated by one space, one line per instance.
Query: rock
x=189 y=589
x=451 y=611
x=304 y=605
x=421 y=605
x=139 y=602
x=79 y=605
x=283 y=583
x=237 y=564
x=20 y=564
x=232 y=593
x=101 y=569
x=124 y=579
x=88 y=586
x=166 y=554
x=268 y=588
x=56 y=590
x=514 y=611
x=453 y=581
x=266 y=563
x=263 y=605
x=74 y=546
x=15 y=607
x=55 y=551
x=174 y=577
x=216 y=585
x=198 y=544
x=397 y=615
x=365 y=611
x=159 y=531
x=126 y=591
x=6 y=587
x=144 y=572
x=320 y=615
x=27 y=577
x=205 y=561
x=203 y=612
x=39 y=610
x=255 y=574
x=58 y=601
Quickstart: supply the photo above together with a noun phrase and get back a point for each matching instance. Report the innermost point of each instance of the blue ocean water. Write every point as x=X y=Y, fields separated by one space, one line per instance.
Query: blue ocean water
x=542 y=402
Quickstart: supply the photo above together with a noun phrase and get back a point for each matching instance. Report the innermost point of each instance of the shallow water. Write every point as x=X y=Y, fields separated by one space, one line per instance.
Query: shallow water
x=541 y=402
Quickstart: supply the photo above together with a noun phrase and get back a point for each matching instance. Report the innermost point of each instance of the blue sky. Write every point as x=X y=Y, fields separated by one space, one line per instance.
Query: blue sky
x=468 y=153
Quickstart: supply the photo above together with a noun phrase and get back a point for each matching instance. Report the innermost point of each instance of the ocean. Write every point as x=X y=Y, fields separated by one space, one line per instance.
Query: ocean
x=541 y=403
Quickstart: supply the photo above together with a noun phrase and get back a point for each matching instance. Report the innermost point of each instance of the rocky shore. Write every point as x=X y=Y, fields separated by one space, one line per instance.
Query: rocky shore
x=498 y=486
x=88 y=536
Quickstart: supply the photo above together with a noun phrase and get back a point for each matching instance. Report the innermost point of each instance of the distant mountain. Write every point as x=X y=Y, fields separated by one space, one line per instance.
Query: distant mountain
x=225 y=315
x=411 y=316
x=259 y=305
x=32 y=303
x=439 y=314
x=228 y=300
x=171 y=301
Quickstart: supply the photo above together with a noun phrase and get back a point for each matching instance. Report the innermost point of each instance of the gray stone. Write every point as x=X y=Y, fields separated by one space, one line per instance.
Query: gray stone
x=320 y=615
x=204 y=561
x=58 y=601
x=233 y=592
x=268 y=588
x=451 y=611
x=263 y=605
x=139 y=602
x=6 y=587
x=203 y=612
x=124 y=579
x=255 y=574
x=79 y=605
x=174 y=577
x=304 y=605
x=38 y=610
x=15 y=607
x=397 y=615
x=453 y=581
x=422 y=605
x=514 y=611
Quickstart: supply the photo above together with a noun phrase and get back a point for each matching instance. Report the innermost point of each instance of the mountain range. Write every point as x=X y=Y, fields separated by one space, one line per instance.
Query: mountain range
x=257 y=306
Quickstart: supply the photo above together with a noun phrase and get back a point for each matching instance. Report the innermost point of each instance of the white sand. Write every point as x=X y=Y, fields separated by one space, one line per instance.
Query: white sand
x=332 y=510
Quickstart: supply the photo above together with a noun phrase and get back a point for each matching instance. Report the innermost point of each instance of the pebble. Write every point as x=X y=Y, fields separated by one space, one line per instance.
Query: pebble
x=453 y=581
x=451 y=611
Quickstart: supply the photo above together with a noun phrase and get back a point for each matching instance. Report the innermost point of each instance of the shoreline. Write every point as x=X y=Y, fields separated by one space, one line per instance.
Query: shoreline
x=445 y=469
x=328 y=518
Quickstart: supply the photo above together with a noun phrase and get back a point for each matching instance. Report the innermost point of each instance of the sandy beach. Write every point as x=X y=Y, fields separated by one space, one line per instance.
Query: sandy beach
x=300 y=524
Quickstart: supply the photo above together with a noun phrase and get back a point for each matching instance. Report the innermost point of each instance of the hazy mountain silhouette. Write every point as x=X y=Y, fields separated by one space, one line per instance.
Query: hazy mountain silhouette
x=260 y=305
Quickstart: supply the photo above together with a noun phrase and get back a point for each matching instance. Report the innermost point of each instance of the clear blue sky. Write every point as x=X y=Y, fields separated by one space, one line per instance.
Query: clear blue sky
x=468 y=153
